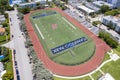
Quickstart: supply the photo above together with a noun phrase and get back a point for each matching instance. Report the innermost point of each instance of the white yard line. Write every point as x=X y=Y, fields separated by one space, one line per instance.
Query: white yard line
x=39 y=31
x=69 y=23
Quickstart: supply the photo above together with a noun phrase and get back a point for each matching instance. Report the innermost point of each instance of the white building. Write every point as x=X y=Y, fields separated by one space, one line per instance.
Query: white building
x=85 y=9
x=106 y=77
x=115 y=22
x=2 y=18
x=13 y=2
x=101 y=3
x=1 y=67
x=41 y=0
x=115 y=3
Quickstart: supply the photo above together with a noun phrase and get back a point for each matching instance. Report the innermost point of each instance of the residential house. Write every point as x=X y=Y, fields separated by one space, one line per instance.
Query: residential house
x=2 y=18
x=2 y=31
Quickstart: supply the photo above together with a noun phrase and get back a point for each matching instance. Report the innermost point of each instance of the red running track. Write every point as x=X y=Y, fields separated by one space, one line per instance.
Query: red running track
x=63 y=70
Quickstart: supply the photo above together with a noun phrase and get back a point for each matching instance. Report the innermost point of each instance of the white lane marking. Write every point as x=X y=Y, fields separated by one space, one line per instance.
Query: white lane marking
x=39 y=31
x=69 y=23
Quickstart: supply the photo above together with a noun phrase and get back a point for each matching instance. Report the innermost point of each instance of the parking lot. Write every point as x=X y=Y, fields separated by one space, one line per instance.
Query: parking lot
x=76 y=15
x=79 y=16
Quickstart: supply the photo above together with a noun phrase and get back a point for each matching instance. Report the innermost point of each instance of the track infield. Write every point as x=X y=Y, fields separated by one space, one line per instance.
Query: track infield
x=77 y=70
x=54 y=30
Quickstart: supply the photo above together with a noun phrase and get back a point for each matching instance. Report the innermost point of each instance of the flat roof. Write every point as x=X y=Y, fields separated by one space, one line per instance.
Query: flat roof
x=27 y=3
x=107 y=76
x=88 y=10
x=113 y=19
x=2 y=30
x=91 y=6
x=100 y=3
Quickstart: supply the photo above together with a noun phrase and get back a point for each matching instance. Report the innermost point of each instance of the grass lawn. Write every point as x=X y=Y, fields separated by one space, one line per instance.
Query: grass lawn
x=106 y=57
x=9 y=64
x=2 y=38
x=54 y=30
x=113 y=68
x=85 y=78
x=117 y=52
x=96 y=75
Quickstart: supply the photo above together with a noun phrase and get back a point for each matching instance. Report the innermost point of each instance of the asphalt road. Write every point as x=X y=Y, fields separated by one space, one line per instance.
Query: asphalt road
x=17 y=43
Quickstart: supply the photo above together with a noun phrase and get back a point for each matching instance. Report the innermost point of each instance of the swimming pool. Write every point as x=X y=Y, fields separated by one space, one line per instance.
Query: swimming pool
x=1 y=57
x=13 y=2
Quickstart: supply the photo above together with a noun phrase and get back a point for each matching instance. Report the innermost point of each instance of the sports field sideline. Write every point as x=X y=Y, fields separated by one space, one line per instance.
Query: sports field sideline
x=55 y=30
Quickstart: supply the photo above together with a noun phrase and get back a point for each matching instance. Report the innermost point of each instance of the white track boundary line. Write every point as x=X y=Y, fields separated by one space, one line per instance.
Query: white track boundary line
x=84 y=74
x=39 y=31
x=69 y=23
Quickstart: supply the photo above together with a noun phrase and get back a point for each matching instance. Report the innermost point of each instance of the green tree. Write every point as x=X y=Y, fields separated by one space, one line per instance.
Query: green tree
x=108 y=39
x=94 y=23
x=8 y=76
x=20 y=15
x=112 y=12
x=53 y=0
x=24 y=10
x=66 y=1
x=104 y=8
x=38 y=4
x=4 y=5
x=47 y=1
x=5 y=24
x=89 y=0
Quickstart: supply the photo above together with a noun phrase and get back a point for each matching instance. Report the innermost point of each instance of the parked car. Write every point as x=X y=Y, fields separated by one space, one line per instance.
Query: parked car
x=18 y=77
x=14 y=51
x=17 y=72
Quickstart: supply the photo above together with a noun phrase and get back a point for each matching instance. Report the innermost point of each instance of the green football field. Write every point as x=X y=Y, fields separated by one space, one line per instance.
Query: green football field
x=55 y=30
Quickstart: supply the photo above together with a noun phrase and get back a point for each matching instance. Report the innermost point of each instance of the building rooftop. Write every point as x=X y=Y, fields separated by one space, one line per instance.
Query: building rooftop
x=13 y=2
x=27 y=3
x=88 y=10
x=113 y=19
x=1 y=67
x=2 y=30
x=2 y=18
x=106 y=77
x=91 y=6
x=100 y=3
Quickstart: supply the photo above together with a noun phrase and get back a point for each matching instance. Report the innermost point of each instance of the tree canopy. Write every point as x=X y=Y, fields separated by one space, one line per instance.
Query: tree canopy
x=4 y=6
x=104 y=8
x=8 y=76
x=24 y=10
x=108 y=39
